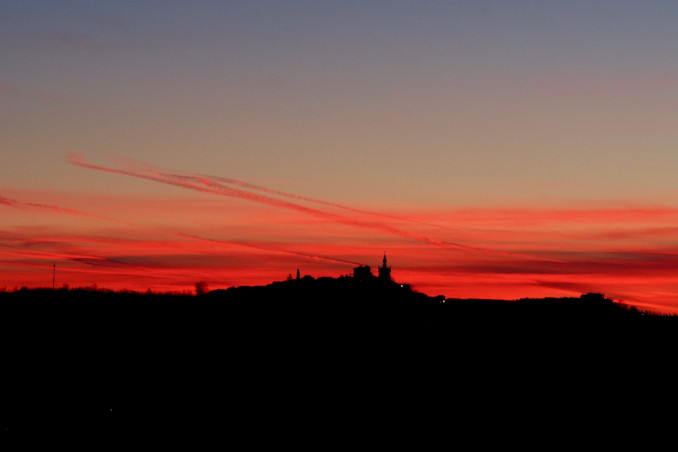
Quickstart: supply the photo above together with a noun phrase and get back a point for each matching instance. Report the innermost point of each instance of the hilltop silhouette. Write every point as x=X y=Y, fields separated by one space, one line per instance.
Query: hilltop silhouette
x=325 y=352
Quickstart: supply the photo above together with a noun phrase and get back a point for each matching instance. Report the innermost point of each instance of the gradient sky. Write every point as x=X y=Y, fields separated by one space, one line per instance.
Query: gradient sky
x=491 y=148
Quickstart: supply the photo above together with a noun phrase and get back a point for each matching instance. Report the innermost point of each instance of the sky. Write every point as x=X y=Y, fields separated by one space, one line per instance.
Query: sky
x=492 y=149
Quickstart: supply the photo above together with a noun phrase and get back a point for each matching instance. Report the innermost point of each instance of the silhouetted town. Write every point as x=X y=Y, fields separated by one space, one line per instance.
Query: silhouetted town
x=317 y=351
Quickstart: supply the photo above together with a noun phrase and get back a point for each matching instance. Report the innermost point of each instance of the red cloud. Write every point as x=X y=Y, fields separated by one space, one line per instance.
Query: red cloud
x=626 y=252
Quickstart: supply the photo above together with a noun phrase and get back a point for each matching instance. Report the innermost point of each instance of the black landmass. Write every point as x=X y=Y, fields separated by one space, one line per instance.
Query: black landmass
x=330 y=354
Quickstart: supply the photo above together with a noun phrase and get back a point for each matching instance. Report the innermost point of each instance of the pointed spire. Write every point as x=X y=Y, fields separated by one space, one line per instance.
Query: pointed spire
x=385 y=270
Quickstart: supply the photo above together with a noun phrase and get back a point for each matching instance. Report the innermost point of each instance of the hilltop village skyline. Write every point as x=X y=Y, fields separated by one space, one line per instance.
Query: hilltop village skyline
x=361 y=273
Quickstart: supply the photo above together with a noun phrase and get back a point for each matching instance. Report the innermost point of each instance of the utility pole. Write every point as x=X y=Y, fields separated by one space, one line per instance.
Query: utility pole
x=53 y=275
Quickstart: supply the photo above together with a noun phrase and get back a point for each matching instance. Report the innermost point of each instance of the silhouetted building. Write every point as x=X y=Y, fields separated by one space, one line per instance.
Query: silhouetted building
x=385 y=271
x=362 y=272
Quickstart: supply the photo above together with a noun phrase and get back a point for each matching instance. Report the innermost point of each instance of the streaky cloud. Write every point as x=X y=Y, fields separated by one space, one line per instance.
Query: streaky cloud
x=28 y=205
x=207 y=179
x=31 y=253
x=101 y=260
x=211 y=186
x=269 y=249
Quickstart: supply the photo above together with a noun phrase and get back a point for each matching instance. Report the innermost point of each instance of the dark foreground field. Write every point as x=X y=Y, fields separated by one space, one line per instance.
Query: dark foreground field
x=330 y=355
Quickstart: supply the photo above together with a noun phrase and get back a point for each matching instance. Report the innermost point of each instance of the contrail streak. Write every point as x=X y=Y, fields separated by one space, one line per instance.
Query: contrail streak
x=202 y=178
x=206 y=185
x=24 y=252
x=25 y=205
x=22 y=205
x=265 y=248
x=209 y=186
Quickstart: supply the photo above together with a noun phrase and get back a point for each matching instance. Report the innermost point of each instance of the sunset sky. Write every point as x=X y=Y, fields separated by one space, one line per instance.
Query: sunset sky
x=501 y=149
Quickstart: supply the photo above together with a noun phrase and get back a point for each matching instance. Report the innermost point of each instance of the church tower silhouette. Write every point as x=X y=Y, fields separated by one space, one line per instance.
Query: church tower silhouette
x=385 y=270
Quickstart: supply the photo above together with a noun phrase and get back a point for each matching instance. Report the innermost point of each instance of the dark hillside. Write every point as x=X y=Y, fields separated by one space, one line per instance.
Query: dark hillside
x=326 y=352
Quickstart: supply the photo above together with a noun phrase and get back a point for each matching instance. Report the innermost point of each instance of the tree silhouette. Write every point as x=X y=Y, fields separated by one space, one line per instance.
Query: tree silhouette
x=201 y=288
